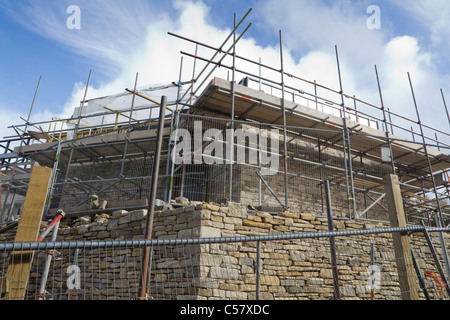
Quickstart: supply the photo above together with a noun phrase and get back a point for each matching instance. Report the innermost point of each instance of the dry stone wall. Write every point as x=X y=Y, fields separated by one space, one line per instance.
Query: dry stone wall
x=289 y=269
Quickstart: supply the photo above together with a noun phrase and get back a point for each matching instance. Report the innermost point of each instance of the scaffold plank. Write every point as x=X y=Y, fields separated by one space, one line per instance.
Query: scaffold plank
x=27 y=231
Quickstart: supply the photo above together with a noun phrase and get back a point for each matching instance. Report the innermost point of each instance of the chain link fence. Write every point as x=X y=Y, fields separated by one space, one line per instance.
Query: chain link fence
x=271 y=267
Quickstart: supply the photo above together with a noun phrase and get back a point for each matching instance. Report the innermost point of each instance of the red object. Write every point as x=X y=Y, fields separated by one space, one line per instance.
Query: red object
x=58 y=217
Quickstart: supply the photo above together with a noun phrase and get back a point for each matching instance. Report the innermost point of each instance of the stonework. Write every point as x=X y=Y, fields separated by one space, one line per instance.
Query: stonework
x=289 y=269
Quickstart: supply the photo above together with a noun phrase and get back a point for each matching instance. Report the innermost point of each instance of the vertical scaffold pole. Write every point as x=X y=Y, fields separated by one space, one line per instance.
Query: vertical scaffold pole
x=177 y=110
x=176 y=122
x=283 y=109
x=372 y=263
x=127 y=140
x=151 y=203
x=425 y=149
x=231 y=139
x=388 y=140
x=445 y=105
x=259 y=168
x=346 y=146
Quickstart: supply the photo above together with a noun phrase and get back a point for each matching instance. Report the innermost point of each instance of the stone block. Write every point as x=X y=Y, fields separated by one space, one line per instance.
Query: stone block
x=354 y=225
x=289 y=215
x=244 y=261
x=308 y=216
x=338 y=224
x=160 y=278
x=256 y=224
x=185 y=233
x=177 y=210
x=97 y=228
x=168 y=264
x=232 y=220
x=83 y=229
x=210 y=259
x=326 y=273
x=264 y=214
x=206 y=283
x=207 y=206
x=247 y=270
x=254 y=218
x=216 y=218
x=272 y=221
x=124 y=219
x=223 y=273
x=103 y=235
x=297 y=256
x=209 y=232
x=189 y=208
x=303 y=225
x=264 y=279
x=117 y=214
x=138 y=214
x=101 y=217
x=182 y=200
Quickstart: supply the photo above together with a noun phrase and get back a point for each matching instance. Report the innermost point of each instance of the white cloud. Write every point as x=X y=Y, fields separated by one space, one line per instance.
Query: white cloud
x=109 y=30
x=432 y=15
x=316 y=27
x=156 y=57
x=8 y=117
x=122 y=40
x=11 y=117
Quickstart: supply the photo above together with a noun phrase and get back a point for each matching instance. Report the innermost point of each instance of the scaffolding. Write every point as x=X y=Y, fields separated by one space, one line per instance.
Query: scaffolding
x=107 y=146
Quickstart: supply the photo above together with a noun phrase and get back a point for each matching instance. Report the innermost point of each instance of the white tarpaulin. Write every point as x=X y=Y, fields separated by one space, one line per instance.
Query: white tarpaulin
x=108 y=110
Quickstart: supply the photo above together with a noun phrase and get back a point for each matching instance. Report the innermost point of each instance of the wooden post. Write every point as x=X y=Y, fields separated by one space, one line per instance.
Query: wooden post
x=27 y=231
x=405 y=266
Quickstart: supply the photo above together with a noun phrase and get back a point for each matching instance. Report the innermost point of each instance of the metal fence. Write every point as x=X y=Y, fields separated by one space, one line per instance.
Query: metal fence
x=270 y=267
x=261 y=176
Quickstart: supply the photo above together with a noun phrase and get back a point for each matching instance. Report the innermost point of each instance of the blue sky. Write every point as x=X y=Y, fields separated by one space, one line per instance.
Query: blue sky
x=119 y=38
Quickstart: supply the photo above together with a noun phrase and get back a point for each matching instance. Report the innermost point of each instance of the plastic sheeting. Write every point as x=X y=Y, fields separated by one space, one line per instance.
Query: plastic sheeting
x=103 y=111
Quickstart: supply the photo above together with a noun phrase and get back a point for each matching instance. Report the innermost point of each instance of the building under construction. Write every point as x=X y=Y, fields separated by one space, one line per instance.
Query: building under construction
x=295 y=136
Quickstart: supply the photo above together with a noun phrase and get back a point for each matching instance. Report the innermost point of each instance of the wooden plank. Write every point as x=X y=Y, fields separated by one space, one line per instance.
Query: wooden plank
x=27 y=231
x=405 y=267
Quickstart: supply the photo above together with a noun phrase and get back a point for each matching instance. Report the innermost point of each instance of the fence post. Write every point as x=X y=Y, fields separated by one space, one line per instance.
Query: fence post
x=405 y=269
x=258 y=268
x=337 y=295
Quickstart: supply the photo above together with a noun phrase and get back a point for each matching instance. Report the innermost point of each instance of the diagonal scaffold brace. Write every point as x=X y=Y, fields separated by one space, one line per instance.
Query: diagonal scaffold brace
x=48 y=259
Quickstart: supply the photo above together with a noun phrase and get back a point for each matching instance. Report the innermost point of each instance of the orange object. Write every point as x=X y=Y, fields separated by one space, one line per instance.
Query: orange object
x=436 y=278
